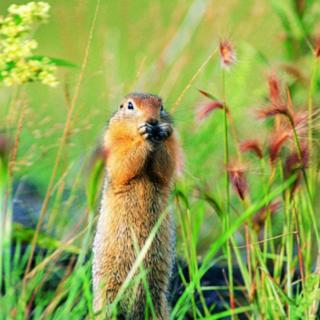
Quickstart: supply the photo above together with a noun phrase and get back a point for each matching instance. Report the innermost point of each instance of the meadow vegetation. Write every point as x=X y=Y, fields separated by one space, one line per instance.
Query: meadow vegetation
x=242 y=83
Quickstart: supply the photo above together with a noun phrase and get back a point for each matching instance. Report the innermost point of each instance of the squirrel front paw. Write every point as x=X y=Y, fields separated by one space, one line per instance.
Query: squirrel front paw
x=155 y=133
x=165 y=130
x=146 y=130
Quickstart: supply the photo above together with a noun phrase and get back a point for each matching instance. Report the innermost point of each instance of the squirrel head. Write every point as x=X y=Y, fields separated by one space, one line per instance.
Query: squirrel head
x=142 y=107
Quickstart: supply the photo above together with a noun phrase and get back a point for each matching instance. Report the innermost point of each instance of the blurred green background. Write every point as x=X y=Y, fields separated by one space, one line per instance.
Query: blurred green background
x=163 y=47
x=158 y=47
x=144 y=46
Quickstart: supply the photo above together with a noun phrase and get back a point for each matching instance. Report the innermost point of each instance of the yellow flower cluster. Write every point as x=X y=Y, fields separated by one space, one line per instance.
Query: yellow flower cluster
x=18 y=65
x=31 y=12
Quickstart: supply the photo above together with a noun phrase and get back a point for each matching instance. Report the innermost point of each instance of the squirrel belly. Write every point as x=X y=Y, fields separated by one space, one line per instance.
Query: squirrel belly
x=141 y=164
x=114 y=250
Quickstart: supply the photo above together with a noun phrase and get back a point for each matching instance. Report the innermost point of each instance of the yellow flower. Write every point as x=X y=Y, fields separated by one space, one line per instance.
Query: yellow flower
x=31 y=11
x=17 y=63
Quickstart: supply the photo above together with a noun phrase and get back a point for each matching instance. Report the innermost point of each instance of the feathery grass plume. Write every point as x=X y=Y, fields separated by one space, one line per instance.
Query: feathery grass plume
x=203 y=111
x=274 y=89
x=227 y=54
x=274 y=110
x=276 y=142
x=278 y=105
x=238 y=179
x=294 y=71
x=300 y=119
x=252 y=146
x=299 y=122
x=294 y=163
x=261 y=216
x=18 y=64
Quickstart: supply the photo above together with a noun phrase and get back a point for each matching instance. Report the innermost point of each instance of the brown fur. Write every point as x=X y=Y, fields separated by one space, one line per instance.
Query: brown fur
x=140 y=172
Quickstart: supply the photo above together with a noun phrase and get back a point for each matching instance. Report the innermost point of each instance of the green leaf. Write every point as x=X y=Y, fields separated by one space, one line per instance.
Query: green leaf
x=206 y=262
x=24 y=234
x=63 y=63
x=56 y=61
x=228 y=313
x=180 y=195
x=94 y=183
x=17 y=19
x=214 y=204
x=289 y=19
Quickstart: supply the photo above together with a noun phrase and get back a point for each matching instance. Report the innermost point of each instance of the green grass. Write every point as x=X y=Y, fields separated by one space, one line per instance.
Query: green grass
x=169 y=48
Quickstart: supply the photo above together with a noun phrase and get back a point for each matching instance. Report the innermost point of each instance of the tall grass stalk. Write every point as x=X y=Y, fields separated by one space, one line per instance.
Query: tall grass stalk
x=191 y=257
x=289 y=247
x=64 y=136
x=307 y=186
x=311 y=89
x=277 y=247
x=227 y=190
x=191 y=81
x=225 y=236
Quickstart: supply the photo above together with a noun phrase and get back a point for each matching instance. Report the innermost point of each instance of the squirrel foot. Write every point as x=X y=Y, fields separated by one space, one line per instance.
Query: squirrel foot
x=155 y=133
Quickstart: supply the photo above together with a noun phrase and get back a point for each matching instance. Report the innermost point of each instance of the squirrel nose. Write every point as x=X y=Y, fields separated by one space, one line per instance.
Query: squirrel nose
x=152 y=121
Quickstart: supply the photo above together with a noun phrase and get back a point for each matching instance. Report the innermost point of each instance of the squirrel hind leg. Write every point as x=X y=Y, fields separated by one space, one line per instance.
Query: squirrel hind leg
x=162 y=308
x=163 y=312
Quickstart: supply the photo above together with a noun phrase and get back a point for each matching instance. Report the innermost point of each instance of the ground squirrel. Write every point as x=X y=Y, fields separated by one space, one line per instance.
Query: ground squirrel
x=142 y=160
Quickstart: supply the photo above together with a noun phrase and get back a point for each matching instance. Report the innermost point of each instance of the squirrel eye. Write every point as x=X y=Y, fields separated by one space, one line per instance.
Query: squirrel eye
x=130 y=105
